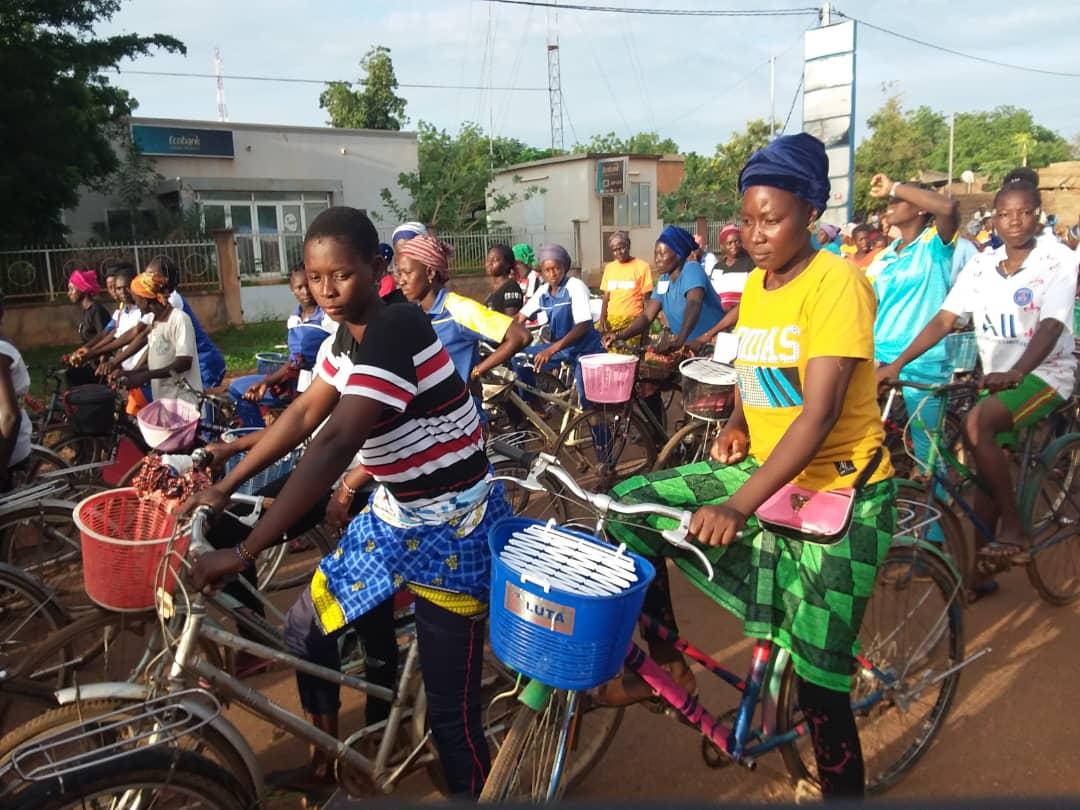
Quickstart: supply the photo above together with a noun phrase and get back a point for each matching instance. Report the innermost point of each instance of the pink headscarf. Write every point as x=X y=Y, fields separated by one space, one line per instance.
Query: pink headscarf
x=727 y=231
x=429 y=251
x=85 y=281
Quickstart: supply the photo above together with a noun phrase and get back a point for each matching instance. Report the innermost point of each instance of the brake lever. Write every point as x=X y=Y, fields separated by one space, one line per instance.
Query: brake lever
x=678 y=538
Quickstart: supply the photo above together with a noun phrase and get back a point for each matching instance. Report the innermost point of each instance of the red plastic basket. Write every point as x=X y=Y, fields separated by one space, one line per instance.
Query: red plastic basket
x=124 y=539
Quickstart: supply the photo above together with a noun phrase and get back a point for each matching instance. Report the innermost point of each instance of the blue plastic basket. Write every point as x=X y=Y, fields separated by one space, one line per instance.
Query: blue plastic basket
x=279 y=469
x=269 y=362
x=963 y=351
x=563 y=639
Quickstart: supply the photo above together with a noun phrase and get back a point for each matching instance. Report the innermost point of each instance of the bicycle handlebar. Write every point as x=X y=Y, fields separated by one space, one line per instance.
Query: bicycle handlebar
x=540 y=464
x=203 y=514
x=934 y=388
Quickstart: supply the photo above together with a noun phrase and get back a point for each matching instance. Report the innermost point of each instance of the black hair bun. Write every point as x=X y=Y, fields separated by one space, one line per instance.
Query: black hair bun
x=1022 y=176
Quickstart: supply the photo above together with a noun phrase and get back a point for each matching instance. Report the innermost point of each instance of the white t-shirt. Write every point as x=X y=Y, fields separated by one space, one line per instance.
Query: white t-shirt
x=1007 y=311
x=327 y=324
x=174 y=337
x=127 y=319
x=580 y=306
x=20 y=382
x=729 y=287
x=708 y=261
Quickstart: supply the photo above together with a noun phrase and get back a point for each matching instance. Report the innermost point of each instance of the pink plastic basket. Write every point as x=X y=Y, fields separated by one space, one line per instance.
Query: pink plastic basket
x=608 y=378
x=169 y=424
x=124 y=539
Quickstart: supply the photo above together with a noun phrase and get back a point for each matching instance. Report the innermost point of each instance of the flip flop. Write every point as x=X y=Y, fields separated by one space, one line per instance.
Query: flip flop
x=999 y=550
x=982 y=590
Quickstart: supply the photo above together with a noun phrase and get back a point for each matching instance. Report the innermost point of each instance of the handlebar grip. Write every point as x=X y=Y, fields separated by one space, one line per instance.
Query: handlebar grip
x=514 y=453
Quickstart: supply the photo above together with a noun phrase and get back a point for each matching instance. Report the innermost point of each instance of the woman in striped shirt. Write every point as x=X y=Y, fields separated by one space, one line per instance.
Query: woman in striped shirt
x=390 y=391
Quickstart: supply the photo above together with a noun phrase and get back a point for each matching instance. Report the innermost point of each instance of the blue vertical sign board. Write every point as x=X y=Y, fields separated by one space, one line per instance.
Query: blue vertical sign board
x=182 y=141
x=829 y=109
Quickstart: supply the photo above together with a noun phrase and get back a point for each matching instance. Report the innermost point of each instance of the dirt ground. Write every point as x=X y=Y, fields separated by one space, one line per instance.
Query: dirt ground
x=1010 y=731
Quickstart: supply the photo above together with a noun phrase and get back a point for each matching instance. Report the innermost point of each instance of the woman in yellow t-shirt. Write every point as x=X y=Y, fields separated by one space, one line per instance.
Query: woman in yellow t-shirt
x=805 y=413
x=626 y=285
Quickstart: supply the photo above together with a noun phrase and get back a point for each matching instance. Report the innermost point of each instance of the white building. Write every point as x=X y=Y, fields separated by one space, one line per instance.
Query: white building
x=580 y=200
x=266 y=182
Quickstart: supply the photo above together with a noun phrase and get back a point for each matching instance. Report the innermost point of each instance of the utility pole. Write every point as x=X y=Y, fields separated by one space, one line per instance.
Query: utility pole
x=772 y=96
x=952 y=143
x=222 y=110
x=826 y=14
x=554 y=82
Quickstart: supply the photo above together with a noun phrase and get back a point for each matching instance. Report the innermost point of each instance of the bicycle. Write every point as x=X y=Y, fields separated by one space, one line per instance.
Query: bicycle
x=97 y=727
x=1048 y=495
x=708 y=399
x=910 y=665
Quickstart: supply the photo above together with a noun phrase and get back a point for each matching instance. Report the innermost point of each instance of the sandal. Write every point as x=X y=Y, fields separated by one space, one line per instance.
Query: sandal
x=1002 y=550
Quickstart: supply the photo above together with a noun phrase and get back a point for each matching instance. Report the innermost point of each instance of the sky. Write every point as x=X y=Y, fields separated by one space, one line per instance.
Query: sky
x=693 y=79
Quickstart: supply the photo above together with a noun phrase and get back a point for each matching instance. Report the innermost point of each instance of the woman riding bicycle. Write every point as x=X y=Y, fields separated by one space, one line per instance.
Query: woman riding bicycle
x=15 y=427
x=805 y=413
x=390 y=391
x=1020 y=297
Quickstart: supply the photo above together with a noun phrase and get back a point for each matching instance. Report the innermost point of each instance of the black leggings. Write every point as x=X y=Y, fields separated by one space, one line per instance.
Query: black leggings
x=832 y=725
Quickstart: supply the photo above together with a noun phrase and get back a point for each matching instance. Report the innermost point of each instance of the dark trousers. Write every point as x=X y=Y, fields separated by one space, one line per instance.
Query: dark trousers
x=451 y=662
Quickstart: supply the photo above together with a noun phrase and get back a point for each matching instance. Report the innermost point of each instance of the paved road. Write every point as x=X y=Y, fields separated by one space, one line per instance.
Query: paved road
x=1011 y=731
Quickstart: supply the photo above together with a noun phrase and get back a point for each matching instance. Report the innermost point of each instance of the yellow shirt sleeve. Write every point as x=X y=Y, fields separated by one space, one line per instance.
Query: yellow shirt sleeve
x=645 y=273
x=605 y=278
x=475 y=316
x=841 y=315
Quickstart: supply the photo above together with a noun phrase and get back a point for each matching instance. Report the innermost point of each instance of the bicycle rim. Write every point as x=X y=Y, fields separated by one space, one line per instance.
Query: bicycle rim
x=1052 y=515
x=41 y=539
x=690 y=444
x=606 y=445
x=912 y=632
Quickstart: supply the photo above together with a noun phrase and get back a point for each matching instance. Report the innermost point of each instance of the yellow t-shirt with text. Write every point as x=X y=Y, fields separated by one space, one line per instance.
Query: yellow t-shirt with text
x=827 y=311
x=626 y=283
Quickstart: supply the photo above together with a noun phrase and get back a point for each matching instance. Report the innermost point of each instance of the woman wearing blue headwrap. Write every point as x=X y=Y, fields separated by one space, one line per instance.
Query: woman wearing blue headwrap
x=805 y=414
x=565 y=301
x=683 y=293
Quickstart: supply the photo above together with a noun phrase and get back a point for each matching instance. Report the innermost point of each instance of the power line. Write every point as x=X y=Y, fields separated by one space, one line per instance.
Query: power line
x=664 y=12
x=961 y=54
x=294 y=80
x=791 y=109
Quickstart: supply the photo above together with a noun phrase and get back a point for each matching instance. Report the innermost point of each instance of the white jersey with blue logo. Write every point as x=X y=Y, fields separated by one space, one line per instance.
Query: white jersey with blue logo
x=1006 y=310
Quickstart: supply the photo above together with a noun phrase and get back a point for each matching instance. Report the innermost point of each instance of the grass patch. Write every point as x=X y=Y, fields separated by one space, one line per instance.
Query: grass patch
x=238 y=344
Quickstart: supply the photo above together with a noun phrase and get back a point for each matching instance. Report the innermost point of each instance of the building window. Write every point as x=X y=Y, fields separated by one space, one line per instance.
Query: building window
x=640 y=211
x=120 y=223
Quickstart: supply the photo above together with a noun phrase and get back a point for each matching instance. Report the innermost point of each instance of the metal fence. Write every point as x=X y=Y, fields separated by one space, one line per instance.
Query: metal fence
x=41 y=273
x=470 y=249
x=712 y=231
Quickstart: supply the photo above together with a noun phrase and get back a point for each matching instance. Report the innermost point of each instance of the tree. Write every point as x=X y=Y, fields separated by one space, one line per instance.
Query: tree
x=449 y=189
x=375 y=105
x=710 y=186
x=900 y=145
x=58 y=109
x=643 y=143
x=134 y=181
x=1074 y=146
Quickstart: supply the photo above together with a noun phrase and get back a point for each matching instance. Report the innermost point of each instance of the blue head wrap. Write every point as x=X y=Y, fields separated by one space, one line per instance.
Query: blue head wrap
x=679 y=240
x=386 y=252
x=793 y=163
x=554 y=252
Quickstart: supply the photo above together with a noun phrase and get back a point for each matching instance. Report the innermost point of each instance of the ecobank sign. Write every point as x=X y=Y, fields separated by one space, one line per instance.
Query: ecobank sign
x=178 y=142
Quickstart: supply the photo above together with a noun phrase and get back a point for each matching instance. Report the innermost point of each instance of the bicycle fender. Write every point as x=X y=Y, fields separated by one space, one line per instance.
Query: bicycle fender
x=1031 y=484
x=929 y=548
x=136 y=693
x=770 y=691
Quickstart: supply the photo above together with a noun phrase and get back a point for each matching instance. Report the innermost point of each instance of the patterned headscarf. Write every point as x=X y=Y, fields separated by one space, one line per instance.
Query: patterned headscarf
x=524 y=254
x=408 y=230
x=151 y=284
x=619 y=236
x=680 y=240
x=429 y=251
x=85 y=281
x=556 y=253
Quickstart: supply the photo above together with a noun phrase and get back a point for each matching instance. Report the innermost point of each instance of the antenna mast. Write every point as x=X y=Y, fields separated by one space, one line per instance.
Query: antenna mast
x=222 y=110
x=554 y=81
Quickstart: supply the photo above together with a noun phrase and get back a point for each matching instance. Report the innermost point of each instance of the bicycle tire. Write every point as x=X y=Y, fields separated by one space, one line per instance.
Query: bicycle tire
x=41 y=539
x=687 y=445
x=624 y=427
x=204 y=785
x=897 y=573
x=1054 y=571
x=957 y=543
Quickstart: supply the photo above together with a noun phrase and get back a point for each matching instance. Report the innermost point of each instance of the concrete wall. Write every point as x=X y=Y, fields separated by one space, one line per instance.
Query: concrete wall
x=353 y=165
x=267 y=302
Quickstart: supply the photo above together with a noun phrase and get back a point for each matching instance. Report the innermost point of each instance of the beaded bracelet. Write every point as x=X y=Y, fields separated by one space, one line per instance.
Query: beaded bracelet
x=348 y=490
x=244 y=554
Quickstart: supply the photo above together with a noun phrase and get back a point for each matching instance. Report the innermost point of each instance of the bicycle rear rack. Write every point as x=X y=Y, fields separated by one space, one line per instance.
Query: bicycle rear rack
x=114 y=735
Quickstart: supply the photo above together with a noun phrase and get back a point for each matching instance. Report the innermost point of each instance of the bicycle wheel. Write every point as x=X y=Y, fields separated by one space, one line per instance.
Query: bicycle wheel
x=529 y=754
x=149 y=778
x=913 y=633
x=41 y=539
x=916 y=517
x=606 y=445
x=689 y=444
x=1050 y=509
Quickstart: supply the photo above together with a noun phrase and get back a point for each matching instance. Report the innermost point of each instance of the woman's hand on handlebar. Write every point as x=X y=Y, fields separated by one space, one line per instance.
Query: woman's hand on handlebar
x=607 y=339
x=1001 y=380
x=256 y=392
x=214 y=569
x=212 y=498
x=219 y=452
x=717 y=525
x=337 y=511
x=887 y=374
x=731 y=446
x=134 y=379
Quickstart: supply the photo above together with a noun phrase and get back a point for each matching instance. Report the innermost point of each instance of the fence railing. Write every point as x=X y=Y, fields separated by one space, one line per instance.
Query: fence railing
x=471 y=249
x=712 y=231
x=41 y=273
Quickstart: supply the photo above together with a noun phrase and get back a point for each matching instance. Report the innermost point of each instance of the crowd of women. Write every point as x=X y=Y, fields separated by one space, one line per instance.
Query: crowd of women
x=380 y=384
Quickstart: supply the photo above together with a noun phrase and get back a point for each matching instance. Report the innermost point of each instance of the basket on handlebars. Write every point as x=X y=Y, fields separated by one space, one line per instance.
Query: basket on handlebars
x=962 y=351
x=269 y=362
x=708 y=388
x=91 y=409
x=563 y=604
x=169 y=425
x=608 y=378
x=124 y=539
x=279 y=469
